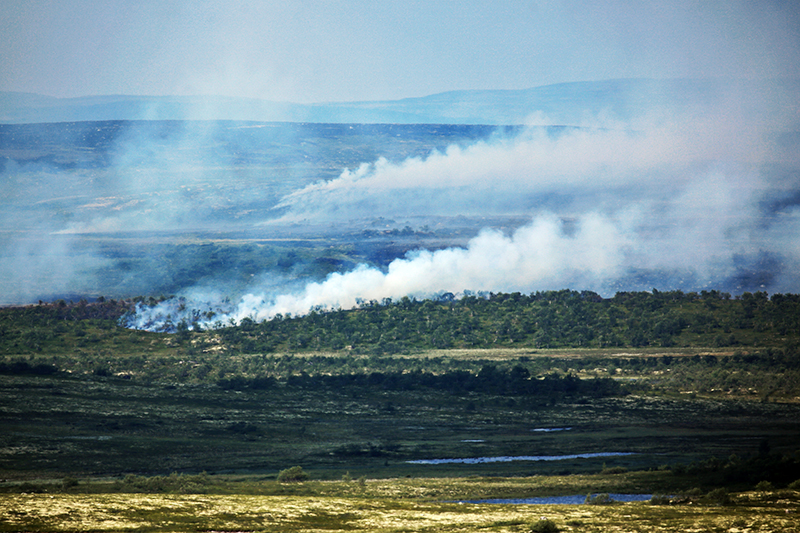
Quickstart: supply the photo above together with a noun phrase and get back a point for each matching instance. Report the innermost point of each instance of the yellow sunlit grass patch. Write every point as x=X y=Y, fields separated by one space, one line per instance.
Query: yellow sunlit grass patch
x=124 y=512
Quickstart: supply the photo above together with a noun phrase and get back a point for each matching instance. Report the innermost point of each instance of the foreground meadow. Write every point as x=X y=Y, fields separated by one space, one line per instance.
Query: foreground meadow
x=168 y=512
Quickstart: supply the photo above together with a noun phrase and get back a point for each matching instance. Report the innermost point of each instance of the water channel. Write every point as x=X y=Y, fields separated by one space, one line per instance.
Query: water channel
x=510 y=458
x=562 y=500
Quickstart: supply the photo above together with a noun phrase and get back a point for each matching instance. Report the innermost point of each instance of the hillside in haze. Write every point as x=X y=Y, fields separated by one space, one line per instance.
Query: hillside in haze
x=565 y=103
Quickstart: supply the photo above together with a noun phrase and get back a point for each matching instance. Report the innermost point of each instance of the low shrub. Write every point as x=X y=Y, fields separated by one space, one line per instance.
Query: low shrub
x=720 y=497
x=173 y=483
x=764 y=486
x=544 y=525
x=32 y=488
x=660 y=499
x=598 y=499
x=294 y=474
x=68 y=482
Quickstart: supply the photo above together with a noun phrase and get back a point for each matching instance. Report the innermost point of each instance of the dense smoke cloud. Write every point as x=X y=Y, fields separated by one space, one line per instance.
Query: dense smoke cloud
x=541 y=255
x=671 y=204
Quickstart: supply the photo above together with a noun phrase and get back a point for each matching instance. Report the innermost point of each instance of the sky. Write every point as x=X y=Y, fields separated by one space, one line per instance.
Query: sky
x=361 y=50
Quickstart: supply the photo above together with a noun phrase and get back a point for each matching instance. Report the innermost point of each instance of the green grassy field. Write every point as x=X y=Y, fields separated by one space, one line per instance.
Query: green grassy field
x=96 y=425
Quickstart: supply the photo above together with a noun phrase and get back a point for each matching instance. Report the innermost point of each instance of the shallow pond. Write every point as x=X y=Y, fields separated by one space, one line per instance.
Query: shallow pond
x=564 y=500
x=510 y=458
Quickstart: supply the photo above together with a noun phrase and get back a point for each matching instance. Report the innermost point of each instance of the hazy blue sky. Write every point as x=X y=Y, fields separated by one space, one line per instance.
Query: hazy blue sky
x=338 y=50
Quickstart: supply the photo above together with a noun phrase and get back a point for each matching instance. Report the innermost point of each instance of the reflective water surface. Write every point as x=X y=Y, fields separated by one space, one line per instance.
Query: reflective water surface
x=564 y=500
x=510 y=458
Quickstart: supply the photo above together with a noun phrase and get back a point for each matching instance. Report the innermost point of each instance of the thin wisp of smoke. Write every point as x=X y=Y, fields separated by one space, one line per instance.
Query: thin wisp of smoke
x=614 y=163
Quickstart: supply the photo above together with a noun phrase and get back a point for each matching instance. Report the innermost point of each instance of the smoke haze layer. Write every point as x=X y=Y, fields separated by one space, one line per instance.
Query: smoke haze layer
x=610 y=187
x=121 y=209
x=684 y=201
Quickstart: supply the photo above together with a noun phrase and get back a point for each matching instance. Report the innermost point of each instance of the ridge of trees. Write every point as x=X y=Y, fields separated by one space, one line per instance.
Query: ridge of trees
x=550 y=319
x=369 y=346
x=540 y=320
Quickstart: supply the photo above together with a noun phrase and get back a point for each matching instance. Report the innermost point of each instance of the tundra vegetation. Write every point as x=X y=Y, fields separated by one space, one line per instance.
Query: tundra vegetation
x=324 y=422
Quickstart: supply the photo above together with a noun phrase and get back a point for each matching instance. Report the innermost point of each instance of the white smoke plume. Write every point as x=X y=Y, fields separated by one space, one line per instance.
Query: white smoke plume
x=536 y=256
x=702 y=199
x=603 y=164
x=685 y=209
x=541 y=255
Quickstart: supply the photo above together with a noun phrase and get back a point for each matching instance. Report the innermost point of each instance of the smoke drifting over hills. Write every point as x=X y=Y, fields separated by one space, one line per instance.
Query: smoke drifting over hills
x=700 y=189
x=673 y=202
x=536 y=256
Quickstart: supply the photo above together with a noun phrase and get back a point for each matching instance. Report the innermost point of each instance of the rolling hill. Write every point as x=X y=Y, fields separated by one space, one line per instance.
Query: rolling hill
x=564 y=103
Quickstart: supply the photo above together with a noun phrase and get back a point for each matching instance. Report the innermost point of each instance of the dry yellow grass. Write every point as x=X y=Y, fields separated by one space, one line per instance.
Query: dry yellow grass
x=124 y=512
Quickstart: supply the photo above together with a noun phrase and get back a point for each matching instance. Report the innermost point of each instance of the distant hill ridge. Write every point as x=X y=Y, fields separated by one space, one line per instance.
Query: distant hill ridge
x=563 y=103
